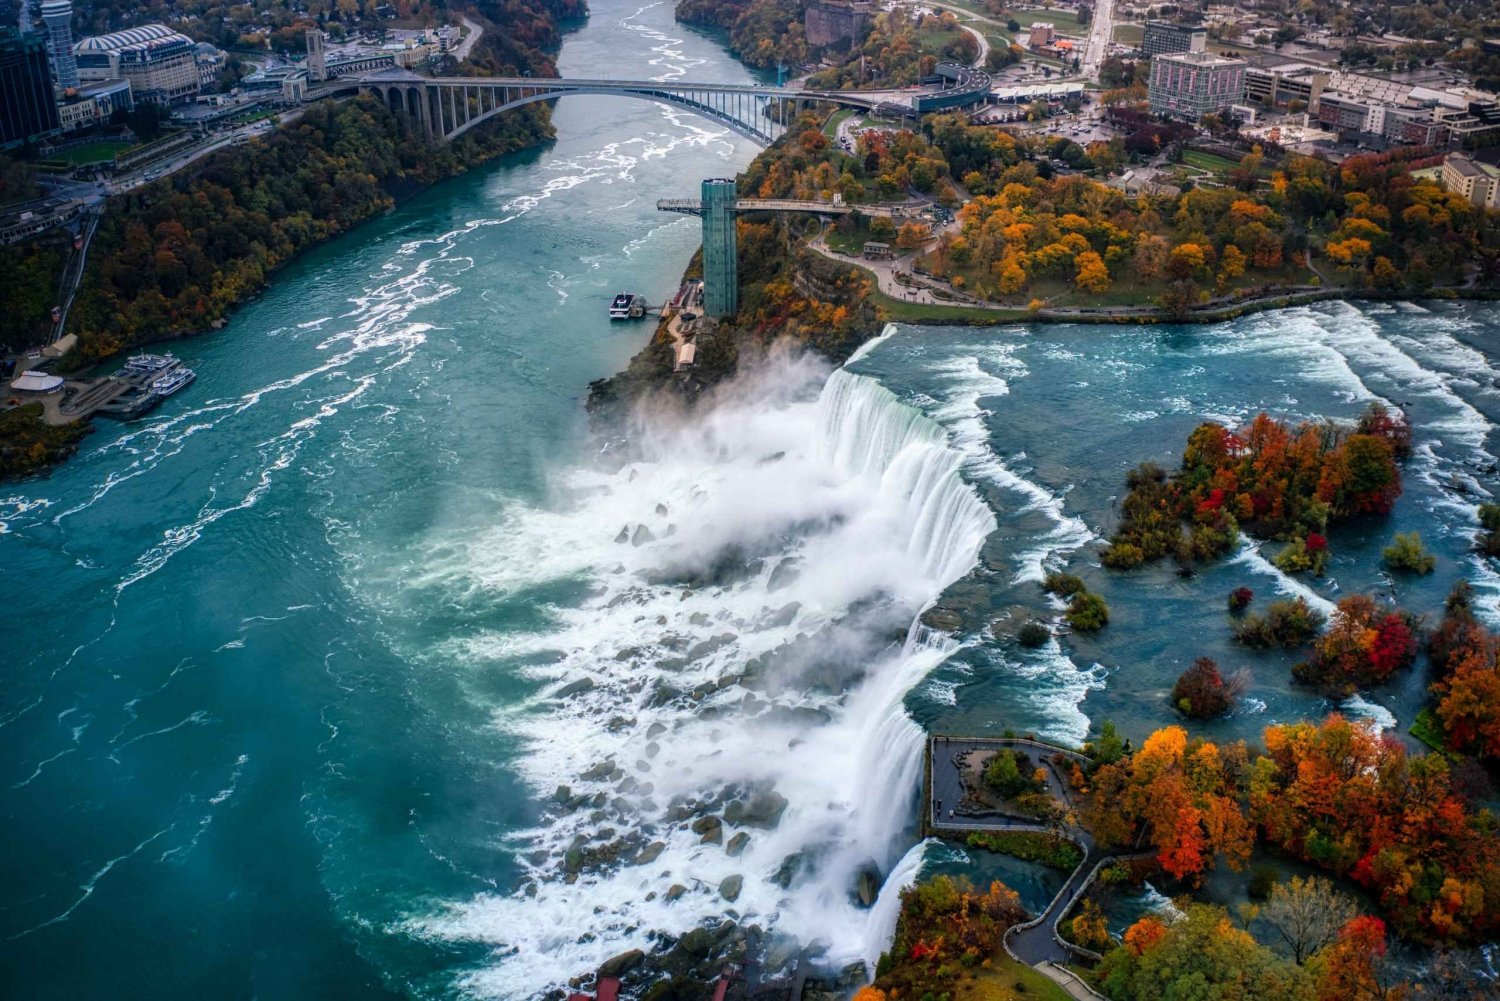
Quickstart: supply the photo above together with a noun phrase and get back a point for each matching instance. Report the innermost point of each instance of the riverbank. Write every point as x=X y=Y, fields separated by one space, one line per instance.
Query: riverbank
x=174 y=258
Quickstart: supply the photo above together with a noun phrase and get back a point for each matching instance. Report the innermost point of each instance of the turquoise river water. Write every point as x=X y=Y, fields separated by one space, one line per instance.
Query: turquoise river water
x=295 y=665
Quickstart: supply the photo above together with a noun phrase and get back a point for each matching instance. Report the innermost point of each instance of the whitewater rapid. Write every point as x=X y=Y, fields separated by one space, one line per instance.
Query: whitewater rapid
x=753 y=582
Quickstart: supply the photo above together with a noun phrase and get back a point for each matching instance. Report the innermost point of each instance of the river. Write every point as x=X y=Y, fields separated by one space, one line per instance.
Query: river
x=297 y=665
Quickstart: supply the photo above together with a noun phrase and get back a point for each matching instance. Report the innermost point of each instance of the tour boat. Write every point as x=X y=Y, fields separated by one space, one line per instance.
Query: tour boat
x=146 y=364
x=173 y=381
x=619 y=309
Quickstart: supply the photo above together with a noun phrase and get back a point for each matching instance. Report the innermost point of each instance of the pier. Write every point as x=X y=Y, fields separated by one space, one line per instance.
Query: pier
x=122 y=396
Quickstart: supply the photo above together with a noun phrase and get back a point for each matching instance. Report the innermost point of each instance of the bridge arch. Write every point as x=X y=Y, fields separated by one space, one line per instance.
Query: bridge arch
x=746 y=129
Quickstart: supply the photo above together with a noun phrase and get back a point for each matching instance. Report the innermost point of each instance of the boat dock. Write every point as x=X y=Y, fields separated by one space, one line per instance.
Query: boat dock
x=123 y=395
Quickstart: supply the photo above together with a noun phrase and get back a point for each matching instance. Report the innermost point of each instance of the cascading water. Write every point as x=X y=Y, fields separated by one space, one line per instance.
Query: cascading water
x=747 y=574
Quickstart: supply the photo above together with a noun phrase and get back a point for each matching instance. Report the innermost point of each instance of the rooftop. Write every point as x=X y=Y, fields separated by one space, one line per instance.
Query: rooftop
x=144 y=36
x=1200 y=59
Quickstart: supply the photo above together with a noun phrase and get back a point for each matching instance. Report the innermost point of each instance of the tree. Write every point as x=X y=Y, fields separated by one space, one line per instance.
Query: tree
x=1307 y=914
x=1092 y=275
x=1202 y=692
x=1202 y=955
x=1407 y=555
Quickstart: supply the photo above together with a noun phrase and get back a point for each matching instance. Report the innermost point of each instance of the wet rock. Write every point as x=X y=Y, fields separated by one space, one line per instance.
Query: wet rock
x=702 y=649
x=853 y=975
x=653 y=749
x=698 y=619
x=785 y=573
x=575 y=688
x=800 y=717
x=655 y=730
x=628 y=786
x=628 y=653
x=783 y=616
x=763 y=809
x=674 y=891
x=711 y=828
x=573 y=860
x=623 y=963
x=698 y=943
x=599 y=771
x=730 y=888
x=661 y=510
x=641 y=536
x=650 y=853
x=867 y=882
x=781 y=954
x=773 y=457
x=943 y=619
x=663 y=695
x=736 y=845
x=790 y=868
x=618 y=723
x=624 y=535
x=563 y=794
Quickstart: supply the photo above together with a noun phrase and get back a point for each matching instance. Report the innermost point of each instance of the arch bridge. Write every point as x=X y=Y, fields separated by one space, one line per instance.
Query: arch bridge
x=447 y=107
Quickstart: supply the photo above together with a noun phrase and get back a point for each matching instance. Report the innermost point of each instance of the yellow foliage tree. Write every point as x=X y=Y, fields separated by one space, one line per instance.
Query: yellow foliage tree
x=1092 y=275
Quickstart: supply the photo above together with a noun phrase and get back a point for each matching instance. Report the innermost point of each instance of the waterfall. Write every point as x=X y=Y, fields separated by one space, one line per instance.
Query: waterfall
x=839 y=516
x=882 y=923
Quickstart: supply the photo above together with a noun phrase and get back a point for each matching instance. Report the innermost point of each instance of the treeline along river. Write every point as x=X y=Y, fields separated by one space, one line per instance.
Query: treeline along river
x=296 y=667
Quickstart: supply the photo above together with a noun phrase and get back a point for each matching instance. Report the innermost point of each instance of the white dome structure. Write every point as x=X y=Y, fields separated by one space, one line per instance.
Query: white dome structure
x=36 y=382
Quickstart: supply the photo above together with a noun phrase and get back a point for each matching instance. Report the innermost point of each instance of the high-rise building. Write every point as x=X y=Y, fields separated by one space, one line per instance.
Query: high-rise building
x=1190 y=85
x=1162 y=37
x=721 y=285
x=28 y=111
x=58 y=16
x=317 y=66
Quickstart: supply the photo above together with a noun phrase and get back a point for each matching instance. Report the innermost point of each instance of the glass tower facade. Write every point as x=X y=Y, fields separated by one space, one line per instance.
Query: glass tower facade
x=27 y=109
x=58 y=16
x=721 y=284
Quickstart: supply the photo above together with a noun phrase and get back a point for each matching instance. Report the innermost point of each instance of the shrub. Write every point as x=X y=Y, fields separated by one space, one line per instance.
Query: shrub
x=1406 y=554
x=1006 y=774
x=1087 y=612
x=1261 y=881
x=1064 y=585
x=1123 y=556
x=1032 y=635
x=1286 y=624
x=1240 y=598
x=1030 y=846
x=1310 y=553
x=1202 y=692
x=1488 y=541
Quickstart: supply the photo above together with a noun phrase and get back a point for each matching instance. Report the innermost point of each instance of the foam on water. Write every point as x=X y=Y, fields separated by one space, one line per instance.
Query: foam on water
x=775 y=533
x=1357 y=706
x=1250 y=557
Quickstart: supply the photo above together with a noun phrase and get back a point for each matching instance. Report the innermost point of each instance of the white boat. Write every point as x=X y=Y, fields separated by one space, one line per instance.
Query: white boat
x=619 y=309
x=173 y=381
x=146 y=364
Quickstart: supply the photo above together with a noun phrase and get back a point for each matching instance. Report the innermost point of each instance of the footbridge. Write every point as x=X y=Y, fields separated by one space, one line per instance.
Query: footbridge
x=447 y=107
x=694 y=206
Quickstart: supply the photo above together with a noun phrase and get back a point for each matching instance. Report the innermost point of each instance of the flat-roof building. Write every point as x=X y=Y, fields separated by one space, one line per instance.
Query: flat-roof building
x=1189 y=85
x=1162 y=37
x=1479 y=183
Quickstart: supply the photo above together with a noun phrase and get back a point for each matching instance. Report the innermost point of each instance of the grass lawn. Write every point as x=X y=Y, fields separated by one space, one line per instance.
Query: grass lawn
x=1008 y=980
x=1208 y=161
x=94 y=152
x=835 y=120
x=1062 y=20
x=1129 y=34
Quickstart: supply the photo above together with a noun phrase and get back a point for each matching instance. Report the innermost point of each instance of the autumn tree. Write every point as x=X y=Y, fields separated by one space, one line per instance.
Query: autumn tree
x=1184 y=794
x=1092 y=275
x=1201 y=955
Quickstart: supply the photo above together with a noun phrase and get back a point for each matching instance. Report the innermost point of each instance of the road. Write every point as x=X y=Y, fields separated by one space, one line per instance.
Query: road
x=984 y=46
x=476 y=30
x=1101 y=29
